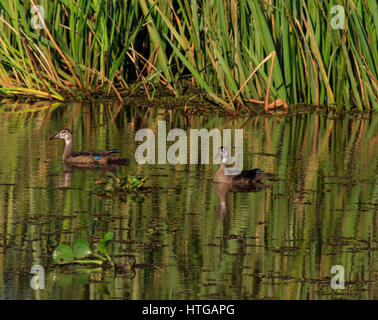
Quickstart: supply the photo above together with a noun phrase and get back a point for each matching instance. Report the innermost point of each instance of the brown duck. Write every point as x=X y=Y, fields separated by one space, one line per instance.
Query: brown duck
x=245 y=178
x=102 y=157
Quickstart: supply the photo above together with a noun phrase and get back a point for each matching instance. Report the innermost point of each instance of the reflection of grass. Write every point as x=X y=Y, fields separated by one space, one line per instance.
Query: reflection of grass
x=275 y=243
x=12 y=108
x=238 y=52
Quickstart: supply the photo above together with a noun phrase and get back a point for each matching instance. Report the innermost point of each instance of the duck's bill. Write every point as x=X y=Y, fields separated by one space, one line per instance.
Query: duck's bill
x=54 y=137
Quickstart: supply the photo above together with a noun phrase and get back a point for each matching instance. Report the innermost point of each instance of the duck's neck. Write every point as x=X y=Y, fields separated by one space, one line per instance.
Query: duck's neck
x=67 y=150
x=220 y=175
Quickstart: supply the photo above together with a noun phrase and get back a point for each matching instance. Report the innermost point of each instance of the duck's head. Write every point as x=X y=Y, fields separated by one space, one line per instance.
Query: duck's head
x=64 y=134
x=223 y=153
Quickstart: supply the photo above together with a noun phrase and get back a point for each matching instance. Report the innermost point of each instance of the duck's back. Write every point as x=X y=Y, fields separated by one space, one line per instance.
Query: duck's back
x=95 y=156
x=246 y=177
x=100 y=153
x=251 y=176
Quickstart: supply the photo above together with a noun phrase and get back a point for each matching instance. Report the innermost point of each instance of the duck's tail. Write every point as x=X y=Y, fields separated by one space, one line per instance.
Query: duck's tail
x=264 y=176
x=114 y=150
x=117 y=160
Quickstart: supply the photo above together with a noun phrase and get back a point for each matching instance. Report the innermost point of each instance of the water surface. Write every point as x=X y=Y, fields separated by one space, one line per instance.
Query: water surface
x=279 y=242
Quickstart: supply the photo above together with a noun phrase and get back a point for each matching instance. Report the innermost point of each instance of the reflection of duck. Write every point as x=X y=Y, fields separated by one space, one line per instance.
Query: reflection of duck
x=67 y=177
x=86 y=157
x=245 y=178
x=223 y=189
x=68 y=169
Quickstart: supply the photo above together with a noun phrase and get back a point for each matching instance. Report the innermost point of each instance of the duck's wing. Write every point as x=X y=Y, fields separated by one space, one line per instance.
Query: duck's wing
x=245 y=176
x=252 y=176
x=264 y=176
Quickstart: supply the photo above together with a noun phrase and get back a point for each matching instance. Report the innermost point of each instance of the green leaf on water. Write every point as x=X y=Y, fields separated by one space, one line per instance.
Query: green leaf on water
x=108 y=236
x=103 y=244
x=81 y=249
x=63 y=254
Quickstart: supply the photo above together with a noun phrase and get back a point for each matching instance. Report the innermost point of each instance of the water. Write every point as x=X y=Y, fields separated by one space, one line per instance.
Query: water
x=277 y=243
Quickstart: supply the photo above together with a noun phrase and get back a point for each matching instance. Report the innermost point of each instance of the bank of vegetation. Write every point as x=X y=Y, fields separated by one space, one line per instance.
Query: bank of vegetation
x=238 y=52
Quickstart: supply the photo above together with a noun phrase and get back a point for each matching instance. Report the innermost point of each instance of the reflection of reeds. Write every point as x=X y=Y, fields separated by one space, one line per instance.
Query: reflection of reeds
x=238 y=51
x=275 y=243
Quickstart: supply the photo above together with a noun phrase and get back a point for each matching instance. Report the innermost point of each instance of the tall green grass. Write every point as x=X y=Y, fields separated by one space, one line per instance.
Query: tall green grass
x=81 y=50
x=237 y=51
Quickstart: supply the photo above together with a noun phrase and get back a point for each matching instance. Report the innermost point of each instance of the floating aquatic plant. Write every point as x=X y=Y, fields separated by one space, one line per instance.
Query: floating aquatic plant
x=82 y=253
x=114 y=183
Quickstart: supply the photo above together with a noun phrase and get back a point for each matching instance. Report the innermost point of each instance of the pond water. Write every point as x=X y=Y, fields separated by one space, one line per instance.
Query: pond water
x=277 y=242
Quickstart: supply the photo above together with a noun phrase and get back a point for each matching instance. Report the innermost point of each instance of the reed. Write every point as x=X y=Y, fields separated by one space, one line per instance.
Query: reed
x=238 y=51
x=80 y=51
x=225 y=43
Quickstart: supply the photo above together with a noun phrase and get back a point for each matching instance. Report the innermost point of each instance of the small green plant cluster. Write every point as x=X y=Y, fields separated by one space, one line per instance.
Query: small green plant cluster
x=131 y=184
x=81 y=252
x=123 y=184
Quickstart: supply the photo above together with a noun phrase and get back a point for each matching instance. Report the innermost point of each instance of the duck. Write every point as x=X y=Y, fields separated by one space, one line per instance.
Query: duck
x=243 y=179
x=99 y=157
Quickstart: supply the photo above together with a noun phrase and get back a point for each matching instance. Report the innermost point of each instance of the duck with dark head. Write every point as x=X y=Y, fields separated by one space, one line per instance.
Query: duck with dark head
x=244 y=178
x=102 y=157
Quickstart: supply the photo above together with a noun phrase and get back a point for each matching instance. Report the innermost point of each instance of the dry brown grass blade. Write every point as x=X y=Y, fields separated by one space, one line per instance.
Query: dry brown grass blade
x=35 y=66
x=252 y=73
x=269 y=82
x=162 y=79
x=56 y=45
x=277 y=103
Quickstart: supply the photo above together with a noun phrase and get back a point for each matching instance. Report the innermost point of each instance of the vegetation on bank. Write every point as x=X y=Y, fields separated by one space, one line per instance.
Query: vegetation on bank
x=273 y=52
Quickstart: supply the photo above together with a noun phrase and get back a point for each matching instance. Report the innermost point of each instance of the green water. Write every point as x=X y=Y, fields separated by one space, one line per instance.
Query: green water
x=278 y=243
